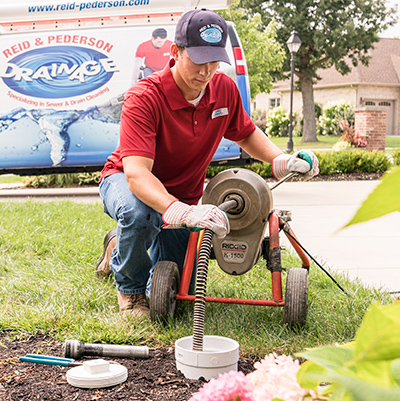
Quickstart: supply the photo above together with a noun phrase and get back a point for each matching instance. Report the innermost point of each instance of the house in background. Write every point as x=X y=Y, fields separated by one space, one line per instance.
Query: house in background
x=376 y=85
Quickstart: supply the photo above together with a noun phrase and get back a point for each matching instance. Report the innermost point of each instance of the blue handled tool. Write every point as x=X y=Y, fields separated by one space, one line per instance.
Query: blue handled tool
x=49 y=360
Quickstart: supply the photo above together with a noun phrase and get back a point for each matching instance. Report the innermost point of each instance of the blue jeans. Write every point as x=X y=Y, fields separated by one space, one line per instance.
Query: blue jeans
x=141 y=242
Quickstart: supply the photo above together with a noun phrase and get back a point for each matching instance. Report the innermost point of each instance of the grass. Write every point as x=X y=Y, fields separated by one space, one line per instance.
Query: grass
x=10 y=179
x=324 y=142
x=47 y=285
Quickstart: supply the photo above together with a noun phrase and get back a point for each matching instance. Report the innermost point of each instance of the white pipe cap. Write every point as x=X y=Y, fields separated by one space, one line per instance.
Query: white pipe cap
x=97 y=373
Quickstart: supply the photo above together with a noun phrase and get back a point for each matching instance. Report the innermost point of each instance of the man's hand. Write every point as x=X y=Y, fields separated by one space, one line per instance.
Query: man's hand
x=179 y=214
x=304 y=162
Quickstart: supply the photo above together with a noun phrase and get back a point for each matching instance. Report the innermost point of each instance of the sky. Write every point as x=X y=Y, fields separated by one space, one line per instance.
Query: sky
x=393 y=31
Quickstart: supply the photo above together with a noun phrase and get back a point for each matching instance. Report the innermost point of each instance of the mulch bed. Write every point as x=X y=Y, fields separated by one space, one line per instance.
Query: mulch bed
x=341 y=177
x=152 y=379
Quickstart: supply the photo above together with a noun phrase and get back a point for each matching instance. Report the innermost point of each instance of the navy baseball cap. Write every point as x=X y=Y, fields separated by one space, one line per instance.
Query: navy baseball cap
x=203 y=34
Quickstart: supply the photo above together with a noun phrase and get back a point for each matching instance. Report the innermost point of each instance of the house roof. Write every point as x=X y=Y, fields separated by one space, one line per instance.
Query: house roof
x=383 y=68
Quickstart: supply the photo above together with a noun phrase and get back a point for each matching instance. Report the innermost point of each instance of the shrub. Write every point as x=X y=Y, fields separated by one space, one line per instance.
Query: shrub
x=352 y=161
x=350 y=138
x=62 y=180
x=277 y=122
x=259 y=118
x=396 y=157
x=331 y=162
x=332 y=114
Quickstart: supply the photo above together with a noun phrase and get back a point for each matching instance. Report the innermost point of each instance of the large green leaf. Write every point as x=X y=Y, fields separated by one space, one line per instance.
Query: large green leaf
x=378 y=336
x=361 y=390
x=395 y=370
x=329 y=357
x=310 y=375
x=383 y=200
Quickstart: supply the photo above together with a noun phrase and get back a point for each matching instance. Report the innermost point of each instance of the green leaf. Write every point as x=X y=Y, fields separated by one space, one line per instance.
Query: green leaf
x=363 y=391
x=328 y=357
x=395 y=370
x=378 y=336
x=310 y=375
x=374 y=372
x=383 y=200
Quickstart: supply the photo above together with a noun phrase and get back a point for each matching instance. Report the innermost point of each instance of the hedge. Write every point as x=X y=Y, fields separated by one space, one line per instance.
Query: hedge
x=333 y=162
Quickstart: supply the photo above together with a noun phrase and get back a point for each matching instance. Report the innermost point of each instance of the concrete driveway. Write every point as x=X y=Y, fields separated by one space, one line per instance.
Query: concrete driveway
x=369 y=250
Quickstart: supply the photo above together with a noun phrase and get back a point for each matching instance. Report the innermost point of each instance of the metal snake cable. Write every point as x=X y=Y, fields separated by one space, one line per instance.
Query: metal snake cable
x=201 y=282
x=201 y=288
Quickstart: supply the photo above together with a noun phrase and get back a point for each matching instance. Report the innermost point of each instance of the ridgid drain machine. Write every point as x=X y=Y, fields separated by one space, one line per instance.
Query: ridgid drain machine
x=247 y=200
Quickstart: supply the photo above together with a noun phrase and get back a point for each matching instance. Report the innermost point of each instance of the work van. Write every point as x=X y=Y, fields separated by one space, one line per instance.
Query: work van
x=65 y=66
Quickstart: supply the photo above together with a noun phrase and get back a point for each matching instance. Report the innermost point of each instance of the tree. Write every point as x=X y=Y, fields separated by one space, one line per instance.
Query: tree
x=264 y=54
x=333 y=32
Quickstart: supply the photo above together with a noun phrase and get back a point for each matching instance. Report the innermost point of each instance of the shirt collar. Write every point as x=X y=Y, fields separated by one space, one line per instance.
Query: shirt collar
x=174 y=96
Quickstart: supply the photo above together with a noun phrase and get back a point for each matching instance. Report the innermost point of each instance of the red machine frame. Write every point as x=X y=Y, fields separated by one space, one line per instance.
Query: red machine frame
x=275 y=225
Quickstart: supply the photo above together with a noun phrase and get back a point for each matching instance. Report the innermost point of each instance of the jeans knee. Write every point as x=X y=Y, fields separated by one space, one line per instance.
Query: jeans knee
x=139 y=217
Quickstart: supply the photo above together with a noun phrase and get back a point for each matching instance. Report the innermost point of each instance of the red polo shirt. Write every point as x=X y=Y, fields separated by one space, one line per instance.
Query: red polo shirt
x=157 y=122
x=156 y=59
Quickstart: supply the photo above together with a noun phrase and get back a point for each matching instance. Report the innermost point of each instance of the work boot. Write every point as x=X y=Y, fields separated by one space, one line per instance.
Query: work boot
x=103 y=265
x=134 y=304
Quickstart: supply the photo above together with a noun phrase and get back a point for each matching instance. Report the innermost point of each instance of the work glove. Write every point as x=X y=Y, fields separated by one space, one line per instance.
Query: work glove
x=196 y=218
x=304 y=162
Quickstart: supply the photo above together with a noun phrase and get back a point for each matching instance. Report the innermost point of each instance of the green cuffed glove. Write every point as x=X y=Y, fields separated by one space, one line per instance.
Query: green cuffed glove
x=303 y=161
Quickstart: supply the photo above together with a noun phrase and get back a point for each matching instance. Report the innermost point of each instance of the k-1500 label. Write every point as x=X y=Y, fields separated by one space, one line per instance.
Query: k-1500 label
x=234 y=251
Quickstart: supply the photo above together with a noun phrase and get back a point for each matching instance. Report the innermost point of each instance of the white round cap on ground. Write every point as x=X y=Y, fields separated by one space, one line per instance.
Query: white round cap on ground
x=97 y=373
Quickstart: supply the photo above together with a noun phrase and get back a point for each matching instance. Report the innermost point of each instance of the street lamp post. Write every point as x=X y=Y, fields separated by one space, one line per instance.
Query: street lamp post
x=293 y=44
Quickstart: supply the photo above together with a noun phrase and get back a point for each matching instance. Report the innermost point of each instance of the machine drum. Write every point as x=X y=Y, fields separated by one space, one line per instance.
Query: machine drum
x=252 y=192
x=239 y=250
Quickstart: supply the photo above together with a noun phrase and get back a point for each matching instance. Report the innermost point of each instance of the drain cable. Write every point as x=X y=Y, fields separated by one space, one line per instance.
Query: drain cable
x=201 y=282
x=286 y=229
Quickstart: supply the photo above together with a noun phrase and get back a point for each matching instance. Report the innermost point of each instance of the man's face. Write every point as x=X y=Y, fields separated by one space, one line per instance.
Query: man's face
x=158 y=42
x=194 y=77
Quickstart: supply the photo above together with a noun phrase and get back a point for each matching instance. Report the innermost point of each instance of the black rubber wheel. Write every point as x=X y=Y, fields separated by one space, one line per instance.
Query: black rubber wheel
x=164 y=287
x=296 y=298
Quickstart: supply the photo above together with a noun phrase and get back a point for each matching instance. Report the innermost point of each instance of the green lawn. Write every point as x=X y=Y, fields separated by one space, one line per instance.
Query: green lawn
x=10 y=179
x=48 y=285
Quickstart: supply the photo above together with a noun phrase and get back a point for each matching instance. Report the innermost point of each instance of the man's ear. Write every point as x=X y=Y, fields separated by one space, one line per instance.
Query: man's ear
x=175 y=51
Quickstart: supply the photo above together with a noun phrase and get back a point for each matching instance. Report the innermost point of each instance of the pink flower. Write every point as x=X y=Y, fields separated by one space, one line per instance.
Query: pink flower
x=275 y=377
x=231 y=386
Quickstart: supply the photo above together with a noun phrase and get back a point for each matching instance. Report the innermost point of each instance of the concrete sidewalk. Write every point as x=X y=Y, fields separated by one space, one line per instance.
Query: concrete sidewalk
x=369 y=250
x=17 y=192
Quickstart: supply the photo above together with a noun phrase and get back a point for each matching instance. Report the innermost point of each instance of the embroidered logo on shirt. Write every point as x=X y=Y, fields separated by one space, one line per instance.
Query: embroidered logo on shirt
x=220 y=112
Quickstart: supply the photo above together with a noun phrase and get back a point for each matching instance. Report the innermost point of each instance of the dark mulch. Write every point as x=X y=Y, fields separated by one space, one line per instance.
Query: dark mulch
x=341 y=177
x=155 y=378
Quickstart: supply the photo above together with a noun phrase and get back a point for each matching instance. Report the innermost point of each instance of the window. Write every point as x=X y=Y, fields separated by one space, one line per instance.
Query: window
x=369 y=103
x=387 y=104
x=276 y=102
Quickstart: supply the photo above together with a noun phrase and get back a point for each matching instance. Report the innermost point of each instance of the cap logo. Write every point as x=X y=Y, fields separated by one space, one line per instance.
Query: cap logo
x=211 y=34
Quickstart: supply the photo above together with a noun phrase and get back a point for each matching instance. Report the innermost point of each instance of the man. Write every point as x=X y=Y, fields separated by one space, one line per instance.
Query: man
x=171 y=125
x=152 y=55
